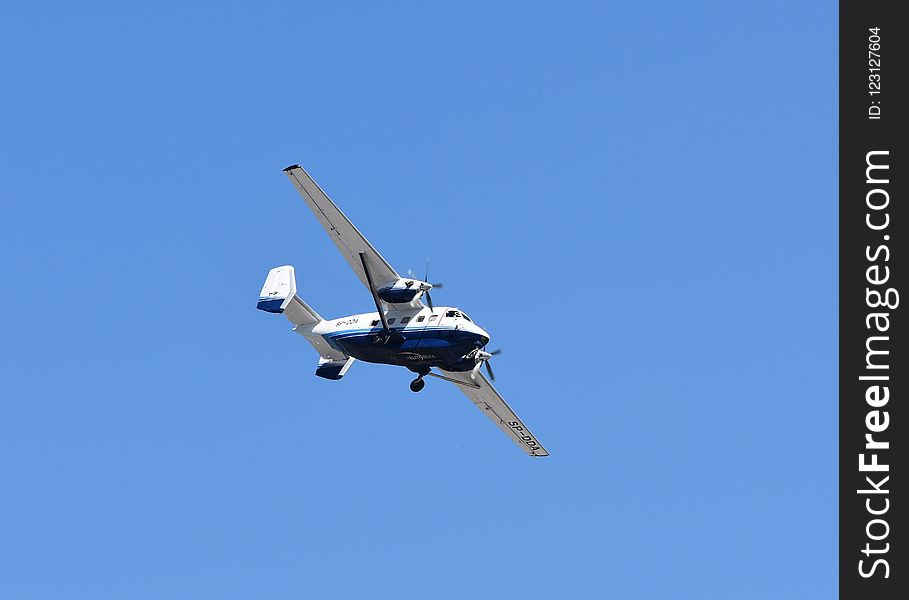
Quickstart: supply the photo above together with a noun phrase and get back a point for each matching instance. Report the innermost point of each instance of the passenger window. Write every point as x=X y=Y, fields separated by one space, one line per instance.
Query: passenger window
x=405 y=320
x=391 y=321
x=420 y=319
x=433 y=318
x=374 y=323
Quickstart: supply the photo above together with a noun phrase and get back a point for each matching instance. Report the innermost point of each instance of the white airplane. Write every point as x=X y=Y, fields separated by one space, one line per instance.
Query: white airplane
x=403 y=331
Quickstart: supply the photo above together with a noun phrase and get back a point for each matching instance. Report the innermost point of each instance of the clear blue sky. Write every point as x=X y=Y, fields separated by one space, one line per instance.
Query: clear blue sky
x=638 y=201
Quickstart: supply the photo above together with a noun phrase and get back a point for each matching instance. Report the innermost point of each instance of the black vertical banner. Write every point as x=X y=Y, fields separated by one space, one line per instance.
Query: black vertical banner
x=874 y=369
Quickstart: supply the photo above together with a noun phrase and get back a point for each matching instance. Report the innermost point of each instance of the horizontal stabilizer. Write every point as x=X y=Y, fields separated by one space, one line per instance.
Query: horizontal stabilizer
x=333 y=369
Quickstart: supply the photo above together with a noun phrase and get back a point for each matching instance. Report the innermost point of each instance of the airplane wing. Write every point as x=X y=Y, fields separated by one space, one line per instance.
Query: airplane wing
x=488 y=400
x=342 y=232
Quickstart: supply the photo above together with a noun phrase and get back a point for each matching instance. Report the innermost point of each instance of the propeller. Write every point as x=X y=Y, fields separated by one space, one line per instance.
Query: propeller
x=489 y=355
x=426 y=280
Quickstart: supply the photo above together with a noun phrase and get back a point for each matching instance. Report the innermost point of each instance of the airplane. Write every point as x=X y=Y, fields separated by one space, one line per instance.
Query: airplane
x=403 y=331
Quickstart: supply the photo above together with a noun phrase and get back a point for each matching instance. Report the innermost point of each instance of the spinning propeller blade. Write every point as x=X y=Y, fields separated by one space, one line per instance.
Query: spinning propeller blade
x=413 y=275
x=426 y=280
x=426 y=277
x=492 y=376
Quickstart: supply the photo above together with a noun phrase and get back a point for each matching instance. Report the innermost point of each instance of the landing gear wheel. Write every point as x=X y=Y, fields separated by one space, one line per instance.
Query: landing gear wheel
x=417 y=384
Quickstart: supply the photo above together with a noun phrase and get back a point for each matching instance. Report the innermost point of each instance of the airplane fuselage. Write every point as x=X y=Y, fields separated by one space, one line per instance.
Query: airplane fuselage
x=419 y=339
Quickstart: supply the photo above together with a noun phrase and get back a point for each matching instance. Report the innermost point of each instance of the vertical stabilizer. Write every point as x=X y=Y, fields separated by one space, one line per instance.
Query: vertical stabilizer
x=279 y=295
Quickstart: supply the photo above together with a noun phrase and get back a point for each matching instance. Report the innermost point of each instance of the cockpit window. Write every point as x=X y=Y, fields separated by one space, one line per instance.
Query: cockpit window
x=452 y=313
x=466 y=317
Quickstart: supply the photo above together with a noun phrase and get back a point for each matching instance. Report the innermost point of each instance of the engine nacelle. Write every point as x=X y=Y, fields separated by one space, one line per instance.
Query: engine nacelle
x=403 y=290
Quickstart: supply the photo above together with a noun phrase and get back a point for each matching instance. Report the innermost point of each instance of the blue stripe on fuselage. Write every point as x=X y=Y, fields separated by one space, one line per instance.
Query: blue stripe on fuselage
x=434 y=345
x=401 y=330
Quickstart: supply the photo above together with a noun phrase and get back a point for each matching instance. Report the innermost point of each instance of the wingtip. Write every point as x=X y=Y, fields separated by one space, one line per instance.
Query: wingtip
x=292 y=167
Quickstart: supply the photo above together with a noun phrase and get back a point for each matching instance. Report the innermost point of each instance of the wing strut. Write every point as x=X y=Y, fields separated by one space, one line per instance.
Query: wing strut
x=375 y=296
